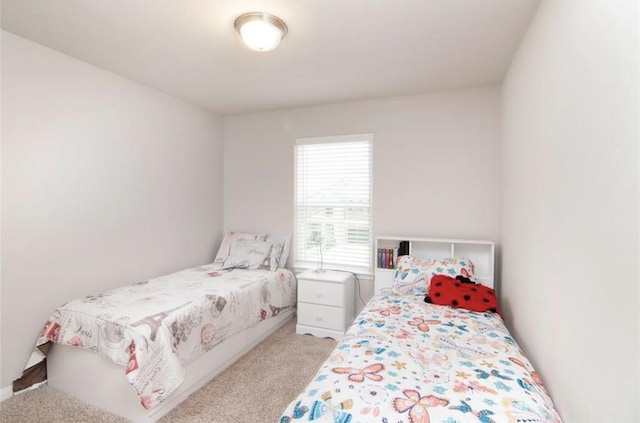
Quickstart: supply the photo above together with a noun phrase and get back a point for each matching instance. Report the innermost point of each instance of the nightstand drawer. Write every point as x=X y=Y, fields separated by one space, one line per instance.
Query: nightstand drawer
x=321 y=293
x=321 y=316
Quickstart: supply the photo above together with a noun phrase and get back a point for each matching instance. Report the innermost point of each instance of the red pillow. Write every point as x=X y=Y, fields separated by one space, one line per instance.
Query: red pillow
x=444 y=290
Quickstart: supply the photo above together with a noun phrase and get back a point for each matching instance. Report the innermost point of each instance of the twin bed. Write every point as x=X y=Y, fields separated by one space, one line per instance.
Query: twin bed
x=404 y=360
x=163 y=341
x=408 y=357
x=432 y=347
x=160 y=340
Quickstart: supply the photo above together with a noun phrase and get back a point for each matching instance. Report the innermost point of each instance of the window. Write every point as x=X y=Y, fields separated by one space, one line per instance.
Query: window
x=333 y=203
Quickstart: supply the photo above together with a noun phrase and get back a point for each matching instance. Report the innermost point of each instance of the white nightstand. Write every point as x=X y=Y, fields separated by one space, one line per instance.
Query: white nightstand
x=325 y=303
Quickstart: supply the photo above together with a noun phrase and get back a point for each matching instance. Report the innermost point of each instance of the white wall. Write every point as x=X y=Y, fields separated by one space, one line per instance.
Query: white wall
x=435 y=163
x=104 y=182
x=569 y=205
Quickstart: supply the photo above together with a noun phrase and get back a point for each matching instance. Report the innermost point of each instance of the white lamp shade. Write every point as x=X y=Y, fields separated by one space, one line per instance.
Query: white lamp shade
x=260 y=31
x=260 y=35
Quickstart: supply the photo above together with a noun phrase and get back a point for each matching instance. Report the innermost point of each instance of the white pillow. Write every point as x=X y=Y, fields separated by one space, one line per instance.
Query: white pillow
x=229 y=237
x=452 y=267
x=282 y=262
x=277 y=248
x=413 y=275
x=248 y=254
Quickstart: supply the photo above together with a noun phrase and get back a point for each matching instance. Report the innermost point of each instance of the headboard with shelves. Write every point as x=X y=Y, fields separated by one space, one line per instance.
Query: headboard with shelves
x=481 y=253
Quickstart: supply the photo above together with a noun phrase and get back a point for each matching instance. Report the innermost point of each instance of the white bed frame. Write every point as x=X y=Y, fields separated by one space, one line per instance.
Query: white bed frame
x=97 y=380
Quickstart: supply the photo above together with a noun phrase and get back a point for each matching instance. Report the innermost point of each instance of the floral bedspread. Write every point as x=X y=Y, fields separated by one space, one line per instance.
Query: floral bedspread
x=155 y=327
x=404 y=360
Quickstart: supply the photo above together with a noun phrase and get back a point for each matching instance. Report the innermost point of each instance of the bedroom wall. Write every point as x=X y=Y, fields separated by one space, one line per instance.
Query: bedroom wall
x=569 y=213
x=435 y=163
x=104 y=182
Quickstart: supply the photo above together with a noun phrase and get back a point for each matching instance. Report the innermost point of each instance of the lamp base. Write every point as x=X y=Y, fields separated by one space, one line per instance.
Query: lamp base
x=319 y=270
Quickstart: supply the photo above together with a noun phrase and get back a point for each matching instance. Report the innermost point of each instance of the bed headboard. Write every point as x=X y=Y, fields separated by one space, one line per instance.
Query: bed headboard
x=481 y=253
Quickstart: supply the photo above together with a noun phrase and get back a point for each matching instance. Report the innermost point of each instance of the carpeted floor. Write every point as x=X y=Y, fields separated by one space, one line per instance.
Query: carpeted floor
x=257 y=388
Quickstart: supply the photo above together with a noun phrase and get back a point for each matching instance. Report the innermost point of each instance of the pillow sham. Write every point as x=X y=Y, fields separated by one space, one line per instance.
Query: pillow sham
x=413 y=274
x=410 y=275
x=282 y=262
x=452 y=267
x=276 y=253
x=229 y=237
x=248 y=254
x=445 y=290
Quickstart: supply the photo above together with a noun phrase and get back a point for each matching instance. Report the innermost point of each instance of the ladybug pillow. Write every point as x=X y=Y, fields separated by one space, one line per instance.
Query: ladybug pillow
x=460 y=293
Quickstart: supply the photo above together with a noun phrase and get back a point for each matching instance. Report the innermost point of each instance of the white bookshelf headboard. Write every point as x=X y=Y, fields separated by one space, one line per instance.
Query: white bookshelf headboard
x=481 y=253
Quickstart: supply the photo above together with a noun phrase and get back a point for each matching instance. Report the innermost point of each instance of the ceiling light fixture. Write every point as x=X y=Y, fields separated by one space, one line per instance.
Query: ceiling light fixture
x=260 y=31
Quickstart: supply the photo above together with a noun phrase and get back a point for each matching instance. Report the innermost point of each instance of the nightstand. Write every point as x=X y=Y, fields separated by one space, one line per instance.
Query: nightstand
x=325 y=303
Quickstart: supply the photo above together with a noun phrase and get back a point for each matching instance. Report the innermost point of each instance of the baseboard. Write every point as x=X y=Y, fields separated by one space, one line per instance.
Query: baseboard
x=6 y=393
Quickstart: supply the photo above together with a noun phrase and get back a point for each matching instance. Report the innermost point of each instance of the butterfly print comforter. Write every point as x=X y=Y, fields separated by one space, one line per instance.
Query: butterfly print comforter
x=403 y=360
x=154 y=328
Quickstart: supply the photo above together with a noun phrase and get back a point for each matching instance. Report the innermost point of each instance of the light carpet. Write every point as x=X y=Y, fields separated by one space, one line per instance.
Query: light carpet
x=256 y=388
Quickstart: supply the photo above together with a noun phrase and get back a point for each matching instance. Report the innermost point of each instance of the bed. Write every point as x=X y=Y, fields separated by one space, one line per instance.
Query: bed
x=139 y=350
x=431 y=348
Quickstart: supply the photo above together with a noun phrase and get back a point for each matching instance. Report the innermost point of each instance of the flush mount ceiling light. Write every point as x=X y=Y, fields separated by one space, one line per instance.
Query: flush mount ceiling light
x=260 y=31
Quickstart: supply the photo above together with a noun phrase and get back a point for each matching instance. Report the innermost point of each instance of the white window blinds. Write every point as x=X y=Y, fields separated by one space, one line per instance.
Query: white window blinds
x=333 y=203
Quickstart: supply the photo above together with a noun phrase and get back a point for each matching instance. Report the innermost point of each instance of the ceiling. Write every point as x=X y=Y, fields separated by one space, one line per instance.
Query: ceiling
x=335 y=50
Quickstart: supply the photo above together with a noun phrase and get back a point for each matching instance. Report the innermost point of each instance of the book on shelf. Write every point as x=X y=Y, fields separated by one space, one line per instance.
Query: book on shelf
x=387 y=258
